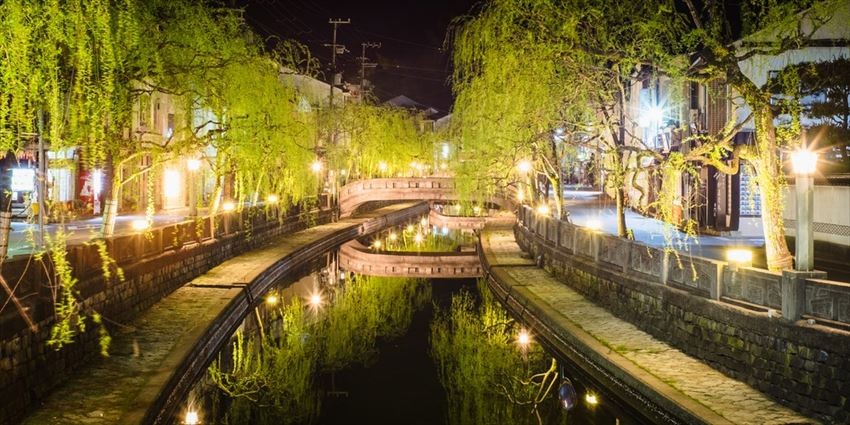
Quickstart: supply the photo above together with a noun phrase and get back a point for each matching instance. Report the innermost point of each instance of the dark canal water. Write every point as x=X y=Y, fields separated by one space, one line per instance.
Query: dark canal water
x=329 y=347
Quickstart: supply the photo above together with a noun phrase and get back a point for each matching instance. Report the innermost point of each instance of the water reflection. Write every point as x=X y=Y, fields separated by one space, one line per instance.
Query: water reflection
x=335 y=347
x=274 y=376
x=421 y=236
x=489 y=367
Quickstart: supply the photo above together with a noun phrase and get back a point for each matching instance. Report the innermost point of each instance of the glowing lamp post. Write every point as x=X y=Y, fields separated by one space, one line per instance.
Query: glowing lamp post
x=805 y=164
x=193 y=165
x=524 y=168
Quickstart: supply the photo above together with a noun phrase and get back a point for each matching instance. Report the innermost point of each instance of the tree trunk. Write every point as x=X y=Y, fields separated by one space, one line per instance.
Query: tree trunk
x=620 y=200
x=111 y=195
x=771 y=184
x=5 y=203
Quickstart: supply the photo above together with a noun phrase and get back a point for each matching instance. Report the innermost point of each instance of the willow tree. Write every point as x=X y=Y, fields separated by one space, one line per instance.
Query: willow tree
x=769 y=28
x=263 y=138
x=524 y=69
x=510 y=95
x=377 y=141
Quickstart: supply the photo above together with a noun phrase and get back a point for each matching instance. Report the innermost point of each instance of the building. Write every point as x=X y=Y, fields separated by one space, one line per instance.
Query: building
x=661 y=113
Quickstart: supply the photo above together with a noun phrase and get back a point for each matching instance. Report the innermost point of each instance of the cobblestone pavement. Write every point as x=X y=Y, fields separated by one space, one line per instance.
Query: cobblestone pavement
x=104 y=391
x=731 y=399
x=141 y=353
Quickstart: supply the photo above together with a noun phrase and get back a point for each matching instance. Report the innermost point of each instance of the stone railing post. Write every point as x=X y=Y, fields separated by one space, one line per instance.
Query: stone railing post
x=665 y=267
x=595 y=236
x=794 y=292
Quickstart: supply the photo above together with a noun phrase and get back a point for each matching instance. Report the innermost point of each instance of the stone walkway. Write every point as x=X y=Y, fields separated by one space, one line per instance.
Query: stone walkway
x=118 y=389
x=731 y=400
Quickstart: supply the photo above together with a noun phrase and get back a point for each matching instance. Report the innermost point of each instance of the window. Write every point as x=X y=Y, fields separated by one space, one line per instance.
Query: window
x=144 y=111
x=694 y=95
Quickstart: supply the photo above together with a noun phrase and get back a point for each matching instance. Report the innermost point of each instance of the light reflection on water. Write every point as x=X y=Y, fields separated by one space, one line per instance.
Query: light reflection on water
x=335 y=348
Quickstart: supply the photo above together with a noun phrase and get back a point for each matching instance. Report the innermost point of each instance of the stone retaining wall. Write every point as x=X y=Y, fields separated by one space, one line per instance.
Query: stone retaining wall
x=804 y=366
x=153 y=266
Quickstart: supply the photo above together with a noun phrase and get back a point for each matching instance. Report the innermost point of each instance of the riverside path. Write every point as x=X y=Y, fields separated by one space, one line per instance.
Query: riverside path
x=687 y=389
x=158 y=352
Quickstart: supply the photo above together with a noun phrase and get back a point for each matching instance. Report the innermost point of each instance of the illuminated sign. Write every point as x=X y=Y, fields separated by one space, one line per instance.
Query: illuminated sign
x=23 y=179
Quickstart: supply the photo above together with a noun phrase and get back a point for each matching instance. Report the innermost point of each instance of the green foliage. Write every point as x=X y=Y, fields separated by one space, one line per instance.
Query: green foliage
x=377 y=141
x=280 y=373
x=488 y=378
x=524 y=69
x=68 y=310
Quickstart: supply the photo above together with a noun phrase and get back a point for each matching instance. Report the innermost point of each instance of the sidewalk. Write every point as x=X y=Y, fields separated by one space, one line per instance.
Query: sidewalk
x=80 y=231
x=665 y=374
x=146 y=353
x=587 y=206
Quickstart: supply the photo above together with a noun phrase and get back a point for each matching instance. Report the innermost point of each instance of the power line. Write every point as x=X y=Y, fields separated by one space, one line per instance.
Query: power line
x=399 y=40
x=418 y=77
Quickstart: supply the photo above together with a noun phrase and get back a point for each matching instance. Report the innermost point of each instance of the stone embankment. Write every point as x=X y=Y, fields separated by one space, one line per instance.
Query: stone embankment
x=663 y=383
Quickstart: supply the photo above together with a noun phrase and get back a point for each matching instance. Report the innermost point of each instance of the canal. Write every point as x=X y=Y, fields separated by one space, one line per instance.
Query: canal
x=331 y=347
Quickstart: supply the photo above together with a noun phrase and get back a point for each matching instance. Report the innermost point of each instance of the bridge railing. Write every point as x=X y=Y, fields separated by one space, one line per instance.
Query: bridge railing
x=826 y=301
x=357 y=193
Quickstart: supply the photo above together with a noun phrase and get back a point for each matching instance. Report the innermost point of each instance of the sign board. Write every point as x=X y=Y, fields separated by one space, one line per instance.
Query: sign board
x=23 y=180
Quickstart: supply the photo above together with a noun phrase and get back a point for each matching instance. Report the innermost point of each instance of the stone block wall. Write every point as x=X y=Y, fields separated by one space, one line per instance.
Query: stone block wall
x=804 y=366
x=174 y=255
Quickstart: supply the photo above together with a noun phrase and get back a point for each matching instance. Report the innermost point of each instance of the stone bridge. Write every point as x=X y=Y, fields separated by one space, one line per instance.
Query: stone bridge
x=360 y=192
x=357 y=258
x=468 y=223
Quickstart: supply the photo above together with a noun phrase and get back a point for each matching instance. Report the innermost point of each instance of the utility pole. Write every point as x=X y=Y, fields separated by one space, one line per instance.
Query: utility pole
x=364 y=65
x=335 y=48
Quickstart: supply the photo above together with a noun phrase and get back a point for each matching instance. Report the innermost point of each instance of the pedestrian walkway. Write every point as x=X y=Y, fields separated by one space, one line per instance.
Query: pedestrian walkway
x=145 y=353
x=588 y=207
x=691 y=385
x=22 y=235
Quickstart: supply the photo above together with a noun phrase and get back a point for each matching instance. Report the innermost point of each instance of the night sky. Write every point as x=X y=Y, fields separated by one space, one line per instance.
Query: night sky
x=411 y=61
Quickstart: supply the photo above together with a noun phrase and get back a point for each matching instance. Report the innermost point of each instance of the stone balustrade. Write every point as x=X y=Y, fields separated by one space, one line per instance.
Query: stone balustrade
x=357 y=258
x=759 y=289
x=744 y=321
x=360 y=192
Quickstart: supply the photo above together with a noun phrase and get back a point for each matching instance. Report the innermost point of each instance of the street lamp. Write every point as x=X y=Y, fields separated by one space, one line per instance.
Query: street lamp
x=316 y=166
x=193 y=165
x=804 y=163
x=140 y=225
x=524 y=167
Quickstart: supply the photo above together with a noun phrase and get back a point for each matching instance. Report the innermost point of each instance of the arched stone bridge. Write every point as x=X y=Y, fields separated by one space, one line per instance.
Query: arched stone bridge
x=355 y=257
x=468 y=223
x=360 y=192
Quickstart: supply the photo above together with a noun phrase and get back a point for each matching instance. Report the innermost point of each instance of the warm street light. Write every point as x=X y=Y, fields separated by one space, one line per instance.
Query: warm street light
x=393 y=237
x=543 y=209
x=523 y=338
x=192 y=418
x=524 y=166
x=228 y=206
x=140 y=225
x=193 y=165
x=740 y=256
x=272 y=300
x=376 y=244
x=591 y=399
x=382 y=166
x=272 y=199
x=316 y=300
x=805 y=164
x=418 y=238
x=316 y=166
